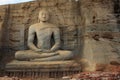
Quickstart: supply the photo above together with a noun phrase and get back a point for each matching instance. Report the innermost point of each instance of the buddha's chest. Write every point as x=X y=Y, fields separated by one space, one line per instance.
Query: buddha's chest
x=44 y=32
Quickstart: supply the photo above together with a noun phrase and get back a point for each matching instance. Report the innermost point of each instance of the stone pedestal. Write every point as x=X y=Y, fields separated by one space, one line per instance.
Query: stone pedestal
x=42 y=69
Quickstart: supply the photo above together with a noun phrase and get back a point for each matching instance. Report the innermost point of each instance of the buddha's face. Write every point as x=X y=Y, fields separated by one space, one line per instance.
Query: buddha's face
x=43 y=16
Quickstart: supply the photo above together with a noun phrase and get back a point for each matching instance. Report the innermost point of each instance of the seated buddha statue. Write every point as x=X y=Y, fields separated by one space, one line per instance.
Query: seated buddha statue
x=44 y=50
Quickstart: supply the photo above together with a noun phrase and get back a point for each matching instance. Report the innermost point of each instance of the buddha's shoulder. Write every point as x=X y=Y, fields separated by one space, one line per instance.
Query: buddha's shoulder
x=34 y=25
x=53 y=26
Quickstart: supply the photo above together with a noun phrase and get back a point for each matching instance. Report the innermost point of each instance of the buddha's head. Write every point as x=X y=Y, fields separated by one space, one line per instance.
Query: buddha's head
x=43 y=15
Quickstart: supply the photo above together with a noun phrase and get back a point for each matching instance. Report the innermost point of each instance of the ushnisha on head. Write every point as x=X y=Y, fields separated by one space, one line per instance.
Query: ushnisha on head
x=43 y=15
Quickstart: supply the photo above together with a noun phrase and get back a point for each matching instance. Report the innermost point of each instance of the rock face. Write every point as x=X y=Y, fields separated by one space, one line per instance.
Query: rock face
x=21 y=16
x=80 y=21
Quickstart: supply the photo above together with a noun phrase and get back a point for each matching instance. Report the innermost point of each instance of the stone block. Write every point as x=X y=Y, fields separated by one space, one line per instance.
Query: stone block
x=50 y=67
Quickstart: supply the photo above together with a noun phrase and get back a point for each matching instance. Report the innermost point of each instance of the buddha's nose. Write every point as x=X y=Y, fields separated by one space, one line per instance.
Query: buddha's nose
x=44 y=15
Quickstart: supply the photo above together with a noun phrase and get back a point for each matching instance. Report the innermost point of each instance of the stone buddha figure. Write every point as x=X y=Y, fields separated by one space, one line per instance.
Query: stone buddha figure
x=45 y=49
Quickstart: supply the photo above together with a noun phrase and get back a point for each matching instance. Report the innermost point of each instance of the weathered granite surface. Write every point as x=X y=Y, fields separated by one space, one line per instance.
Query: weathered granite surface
x=42 y=66
x=76 y=19
x=42 y=69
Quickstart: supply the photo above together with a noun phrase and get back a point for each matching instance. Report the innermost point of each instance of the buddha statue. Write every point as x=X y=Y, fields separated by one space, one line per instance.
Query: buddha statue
x=47 y=47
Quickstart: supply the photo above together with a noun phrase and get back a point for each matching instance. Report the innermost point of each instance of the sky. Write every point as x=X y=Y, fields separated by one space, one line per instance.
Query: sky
x=3 y=2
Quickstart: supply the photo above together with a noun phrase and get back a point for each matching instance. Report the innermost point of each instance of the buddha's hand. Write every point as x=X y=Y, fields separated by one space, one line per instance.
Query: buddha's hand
x=46 y=51
x=38 y=50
